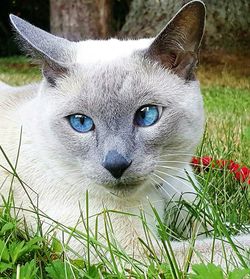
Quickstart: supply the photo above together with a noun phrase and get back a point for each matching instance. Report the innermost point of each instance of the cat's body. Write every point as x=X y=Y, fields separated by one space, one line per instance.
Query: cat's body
x=67 y=188
x=109 y=81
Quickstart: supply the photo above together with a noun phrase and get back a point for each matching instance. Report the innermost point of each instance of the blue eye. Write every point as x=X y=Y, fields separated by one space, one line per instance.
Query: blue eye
x=81 y=123
x=147 y=115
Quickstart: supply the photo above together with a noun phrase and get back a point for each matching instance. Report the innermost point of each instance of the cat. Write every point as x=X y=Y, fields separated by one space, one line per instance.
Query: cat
x=119 y=119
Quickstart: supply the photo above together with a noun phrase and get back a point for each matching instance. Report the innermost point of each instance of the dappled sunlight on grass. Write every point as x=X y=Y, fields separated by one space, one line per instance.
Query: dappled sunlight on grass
x=18 y=71
x=222 y=69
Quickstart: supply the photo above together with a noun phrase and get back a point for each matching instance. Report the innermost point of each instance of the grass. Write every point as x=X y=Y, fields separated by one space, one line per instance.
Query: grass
x=228 y=118
x=17 y=71
x=226 y=91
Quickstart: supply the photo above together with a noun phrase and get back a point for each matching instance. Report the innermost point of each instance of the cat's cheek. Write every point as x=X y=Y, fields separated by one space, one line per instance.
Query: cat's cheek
x=75 y=144
x=156 y=136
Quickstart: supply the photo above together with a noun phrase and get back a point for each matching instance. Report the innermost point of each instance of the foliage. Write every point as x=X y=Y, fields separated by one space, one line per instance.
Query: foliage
x=201 y=271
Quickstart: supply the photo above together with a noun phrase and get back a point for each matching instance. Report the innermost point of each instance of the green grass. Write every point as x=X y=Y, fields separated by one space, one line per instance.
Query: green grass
x=17 y=71
x=227 y=136
x=228 y=122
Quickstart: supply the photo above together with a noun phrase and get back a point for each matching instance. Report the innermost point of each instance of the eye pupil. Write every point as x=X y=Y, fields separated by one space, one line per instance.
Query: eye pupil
x=82 y=119
x=143 y=112
x=147 y=116
x=81 y=123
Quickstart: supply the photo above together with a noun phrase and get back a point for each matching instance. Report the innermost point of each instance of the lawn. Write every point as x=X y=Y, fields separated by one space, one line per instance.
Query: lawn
x=226 y=91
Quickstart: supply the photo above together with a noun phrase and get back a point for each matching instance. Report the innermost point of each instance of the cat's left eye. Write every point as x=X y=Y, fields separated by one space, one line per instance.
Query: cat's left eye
x=147 y=115
x=81 y=123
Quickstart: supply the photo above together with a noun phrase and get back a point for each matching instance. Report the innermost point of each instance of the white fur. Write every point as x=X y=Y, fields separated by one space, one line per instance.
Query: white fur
x=4 y=85
x=89 y=51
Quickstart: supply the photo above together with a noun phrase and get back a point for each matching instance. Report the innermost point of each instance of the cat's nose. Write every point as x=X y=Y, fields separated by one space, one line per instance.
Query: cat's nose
x=115 y=163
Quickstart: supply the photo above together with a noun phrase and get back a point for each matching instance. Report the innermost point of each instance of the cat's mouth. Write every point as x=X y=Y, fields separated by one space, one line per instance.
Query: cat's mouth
x=124 y=185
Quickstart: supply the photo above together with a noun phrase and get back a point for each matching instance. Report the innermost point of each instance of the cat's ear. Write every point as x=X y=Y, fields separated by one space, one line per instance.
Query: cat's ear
x=53 y=53
x=177 y=45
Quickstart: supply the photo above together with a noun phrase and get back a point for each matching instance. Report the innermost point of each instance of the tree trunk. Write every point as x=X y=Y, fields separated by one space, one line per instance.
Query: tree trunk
x=81 y=19
x=227 y=21
x=147 y=17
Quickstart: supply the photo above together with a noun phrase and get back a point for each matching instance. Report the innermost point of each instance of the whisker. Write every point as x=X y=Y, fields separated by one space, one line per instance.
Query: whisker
x=191 y=164
x=183 y=171
x=181 y=213
x=175 y=190
x=178 y=169
x=172 y=161
x=179 y=179
x=160 y=187
x=182 y=154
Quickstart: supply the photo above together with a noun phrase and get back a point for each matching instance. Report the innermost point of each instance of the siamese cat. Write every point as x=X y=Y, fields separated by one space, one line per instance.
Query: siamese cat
x=118 y=119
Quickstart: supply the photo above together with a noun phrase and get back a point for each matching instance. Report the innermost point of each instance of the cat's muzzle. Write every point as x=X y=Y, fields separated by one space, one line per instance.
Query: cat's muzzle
x=116 y=164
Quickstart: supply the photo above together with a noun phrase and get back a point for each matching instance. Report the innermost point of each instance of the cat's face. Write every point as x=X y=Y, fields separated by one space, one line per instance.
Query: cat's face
x=114 y=121
x=111 y=95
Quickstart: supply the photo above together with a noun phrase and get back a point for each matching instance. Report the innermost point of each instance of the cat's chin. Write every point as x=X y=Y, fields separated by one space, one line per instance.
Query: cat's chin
x=124 y=188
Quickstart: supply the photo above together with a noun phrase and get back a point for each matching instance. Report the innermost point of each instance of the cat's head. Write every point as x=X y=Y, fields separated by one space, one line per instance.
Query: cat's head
x=114 y=110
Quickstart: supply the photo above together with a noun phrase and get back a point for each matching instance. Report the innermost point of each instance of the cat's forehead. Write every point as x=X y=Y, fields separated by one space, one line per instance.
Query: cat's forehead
x=120 y=78
x=97 y=51
x=117 y=86
x=120 y=83
x=124 y=84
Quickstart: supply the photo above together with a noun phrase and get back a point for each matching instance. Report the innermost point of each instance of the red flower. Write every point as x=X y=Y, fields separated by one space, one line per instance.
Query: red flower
x=221 y=163
x=233 y=167
x=242 y=174
x=206 y=161
x=195 y=161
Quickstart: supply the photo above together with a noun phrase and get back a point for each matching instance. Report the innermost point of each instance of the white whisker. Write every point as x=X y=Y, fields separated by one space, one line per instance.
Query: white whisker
x=178 y=169
x=161 y=188
x=171 y=186
x=177 y=178
x=183 y=171
x=181 y=213
x=172 y=161
x=179 y=154
x=198 y=165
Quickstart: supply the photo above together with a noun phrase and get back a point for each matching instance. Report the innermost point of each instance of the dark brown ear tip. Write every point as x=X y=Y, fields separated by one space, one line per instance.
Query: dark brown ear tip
x=196 y=4
x=195 y=9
